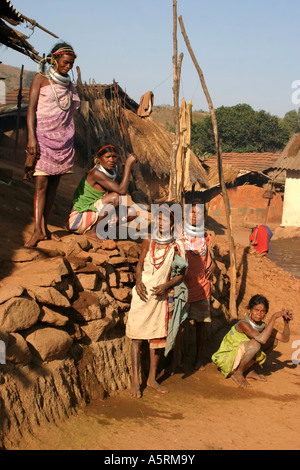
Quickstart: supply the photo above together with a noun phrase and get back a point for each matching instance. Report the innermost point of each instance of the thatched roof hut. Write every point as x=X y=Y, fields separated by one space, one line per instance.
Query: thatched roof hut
x=230 y=174
x=289 y=158
x=289 y=162
x=152 y=143
x=113 y=118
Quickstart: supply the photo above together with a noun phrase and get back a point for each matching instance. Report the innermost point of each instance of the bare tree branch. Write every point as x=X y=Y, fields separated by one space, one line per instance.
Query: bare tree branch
x=232 y=306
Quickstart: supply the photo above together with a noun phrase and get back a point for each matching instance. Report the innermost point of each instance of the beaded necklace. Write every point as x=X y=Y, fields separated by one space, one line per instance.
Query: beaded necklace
x=60 y=80
x=158 y=261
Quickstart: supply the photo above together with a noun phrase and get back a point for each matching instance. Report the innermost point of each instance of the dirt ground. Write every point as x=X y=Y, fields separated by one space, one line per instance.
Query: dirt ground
x=203 y=410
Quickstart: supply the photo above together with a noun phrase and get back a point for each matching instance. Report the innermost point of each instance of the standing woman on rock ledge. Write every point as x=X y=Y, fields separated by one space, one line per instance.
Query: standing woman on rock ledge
x=50 y=150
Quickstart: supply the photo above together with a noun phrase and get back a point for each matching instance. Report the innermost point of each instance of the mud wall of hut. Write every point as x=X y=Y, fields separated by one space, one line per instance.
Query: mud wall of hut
x=248 y=205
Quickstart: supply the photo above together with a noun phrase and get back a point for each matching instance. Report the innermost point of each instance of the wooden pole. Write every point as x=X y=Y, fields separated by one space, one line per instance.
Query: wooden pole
x=34 y=23
x=176 y=82
x=18 y=113
x=232 y=301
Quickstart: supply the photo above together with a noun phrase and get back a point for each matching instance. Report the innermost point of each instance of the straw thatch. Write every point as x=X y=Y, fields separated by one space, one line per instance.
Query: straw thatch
x=152 y=143
x=230 y=174
x=290 y=157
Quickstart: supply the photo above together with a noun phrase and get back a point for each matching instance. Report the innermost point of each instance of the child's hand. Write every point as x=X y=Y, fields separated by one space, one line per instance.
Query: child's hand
x=288 y=315
x=285 y=314
x=159 y=290
x=141 y=290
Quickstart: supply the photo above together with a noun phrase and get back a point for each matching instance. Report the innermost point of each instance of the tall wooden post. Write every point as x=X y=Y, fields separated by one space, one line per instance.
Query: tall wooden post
x=232 y=302
x=18 y=112
x=176 y=82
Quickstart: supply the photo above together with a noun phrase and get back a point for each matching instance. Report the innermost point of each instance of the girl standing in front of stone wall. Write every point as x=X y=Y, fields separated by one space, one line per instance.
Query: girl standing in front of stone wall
x=198 y=281
x=148 y=318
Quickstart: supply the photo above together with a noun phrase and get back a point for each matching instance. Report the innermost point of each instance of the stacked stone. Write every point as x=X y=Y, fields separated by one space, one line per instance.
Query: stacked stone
x=72 y=291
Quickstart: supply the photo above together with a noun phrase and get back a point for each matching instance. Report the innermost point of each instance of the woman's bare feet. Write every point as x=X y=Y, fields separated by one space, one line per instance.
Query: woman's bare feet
x=52 y=236
x=92 y=234
x=255 y=376
x=135 y=391
x=36 y=237
x=156 y=386
x=171 y=367
x=240 y=380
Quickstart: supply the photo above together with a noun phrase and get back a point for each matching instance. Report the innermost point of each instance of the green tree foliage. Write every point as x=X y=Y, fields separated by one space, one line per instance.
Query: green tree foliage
x=292 y=121
x=241 y=129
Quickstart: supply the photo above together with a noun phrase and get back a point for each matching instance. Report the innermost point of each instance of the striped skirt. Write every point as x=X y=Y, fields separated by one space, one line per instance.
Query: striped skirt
x=81 y=222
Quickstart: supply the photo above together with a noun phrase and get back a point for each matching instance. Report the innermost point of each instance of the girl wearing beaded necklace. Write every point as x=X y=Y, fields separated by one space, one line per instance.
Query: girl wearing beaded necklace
x=160 y=268
x=197 y=279
x=50 y=149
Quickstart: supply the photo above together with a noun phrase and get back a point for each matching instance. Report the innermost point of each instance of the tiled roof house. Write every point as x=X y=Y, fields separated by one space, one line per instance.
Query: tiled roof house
x=289 y=160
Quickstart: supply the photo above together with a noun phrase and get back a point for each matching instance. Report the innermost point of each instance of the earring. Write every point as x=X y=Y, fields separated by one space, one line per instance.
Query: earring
x=41 y=65
x=53 y=62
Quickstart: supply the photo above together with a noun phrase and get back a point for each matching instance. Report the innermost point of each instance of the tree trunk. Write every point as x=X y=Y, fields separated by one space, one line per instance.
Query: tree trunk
x=232 y=305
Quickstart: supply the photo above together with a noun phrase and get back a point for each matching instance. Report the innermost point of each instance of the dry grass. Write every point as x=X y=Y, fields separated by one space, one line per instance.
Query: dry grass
x=230 y=174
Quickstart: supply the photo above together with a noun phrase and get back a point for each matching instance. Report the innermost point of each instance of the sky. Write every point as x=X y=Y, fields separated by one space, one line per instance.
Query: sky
x=247 y=49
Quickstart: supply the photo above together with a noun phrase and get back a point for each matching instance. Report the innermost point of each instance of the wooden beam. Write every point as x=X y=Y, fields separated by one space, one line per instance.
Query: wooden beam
x=34 y=23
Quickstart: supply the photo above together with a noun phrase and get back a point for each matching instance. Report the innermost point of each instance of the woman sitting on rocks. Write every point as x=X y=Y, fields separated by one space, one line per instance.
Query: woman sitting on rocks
x=98 y=193
x=249 y=341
